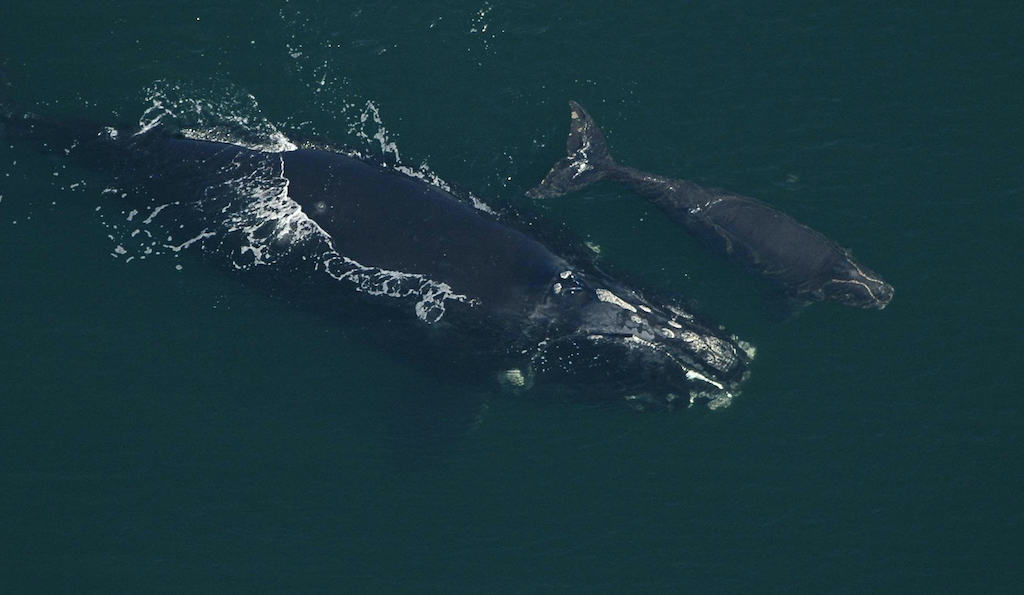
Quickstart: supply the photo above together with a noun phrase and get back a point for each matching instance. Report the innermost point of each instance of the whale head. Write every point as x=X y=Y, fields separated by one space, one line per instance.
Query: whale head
x=856 y=285
x=615 y=342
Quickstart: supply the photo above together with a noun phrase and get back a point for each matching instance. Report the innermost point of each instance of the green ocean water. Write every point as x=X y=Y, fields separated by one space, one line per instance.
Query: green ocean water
x=170 y=430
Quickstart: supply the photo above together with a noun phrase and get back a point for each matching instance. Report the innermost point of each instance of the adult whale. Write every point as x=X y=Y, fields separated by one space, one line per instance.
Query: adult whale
x=347 y=236
x=805 y=263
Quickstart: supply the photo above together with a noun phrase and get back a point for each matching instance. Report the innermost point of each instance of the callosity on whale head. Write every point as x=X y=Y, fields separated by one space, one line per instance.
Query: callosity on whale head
x=614 y=341
x=856 y=285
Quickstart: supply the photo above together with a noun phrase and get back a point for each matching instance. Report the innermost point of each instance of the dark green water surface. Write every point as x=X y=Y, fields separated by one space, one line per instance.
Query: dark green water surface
x=166 y=430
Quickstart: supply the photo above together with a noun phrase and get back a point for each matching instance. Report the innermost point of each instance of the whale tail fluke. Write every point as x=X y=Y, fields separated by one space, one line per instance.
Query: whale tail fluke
x=587 y=161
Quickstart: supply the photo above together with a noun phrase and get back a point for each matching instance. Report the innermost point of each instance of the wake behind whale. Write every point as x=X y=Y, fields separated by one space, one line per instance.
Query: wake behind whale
x=338 y=233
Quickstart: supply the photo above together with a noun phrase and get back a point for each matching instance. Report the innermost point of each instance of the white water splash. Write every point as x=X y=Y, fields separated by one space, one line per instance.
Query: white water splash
x=234 y=117
x=273 y=225
x=257 y=224
x=371 y=115
x=318 y=59
x=480 y=27
x=249 y=215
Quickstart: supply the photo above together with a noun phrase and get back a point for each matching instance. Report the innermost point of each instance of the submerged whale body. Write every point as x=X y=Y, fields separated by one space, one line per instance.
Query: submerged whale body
x=347 y=236
x=806 y=264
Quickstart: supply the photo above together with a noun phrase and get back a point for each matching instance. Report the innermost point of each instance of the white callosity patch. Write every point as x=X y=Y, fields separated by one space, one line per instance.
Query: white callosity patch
x=514 y=377
x=716 y=352
x=690 y=373
x=861 y=274
x=715 y=400
x=699 y=356
x=606 y=296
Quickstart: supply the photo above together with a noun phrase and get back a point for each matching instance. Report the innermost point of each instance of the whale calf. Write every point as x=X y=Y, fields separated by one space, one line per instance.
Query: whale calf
x=349 y=237
x=806 y=264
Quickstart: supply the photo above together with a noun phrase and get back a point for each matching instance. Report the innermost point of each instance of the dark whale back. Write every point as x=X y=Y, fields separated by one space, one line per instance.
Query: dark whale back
x=767 y=240
x=384 y=217
x=375 y=215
